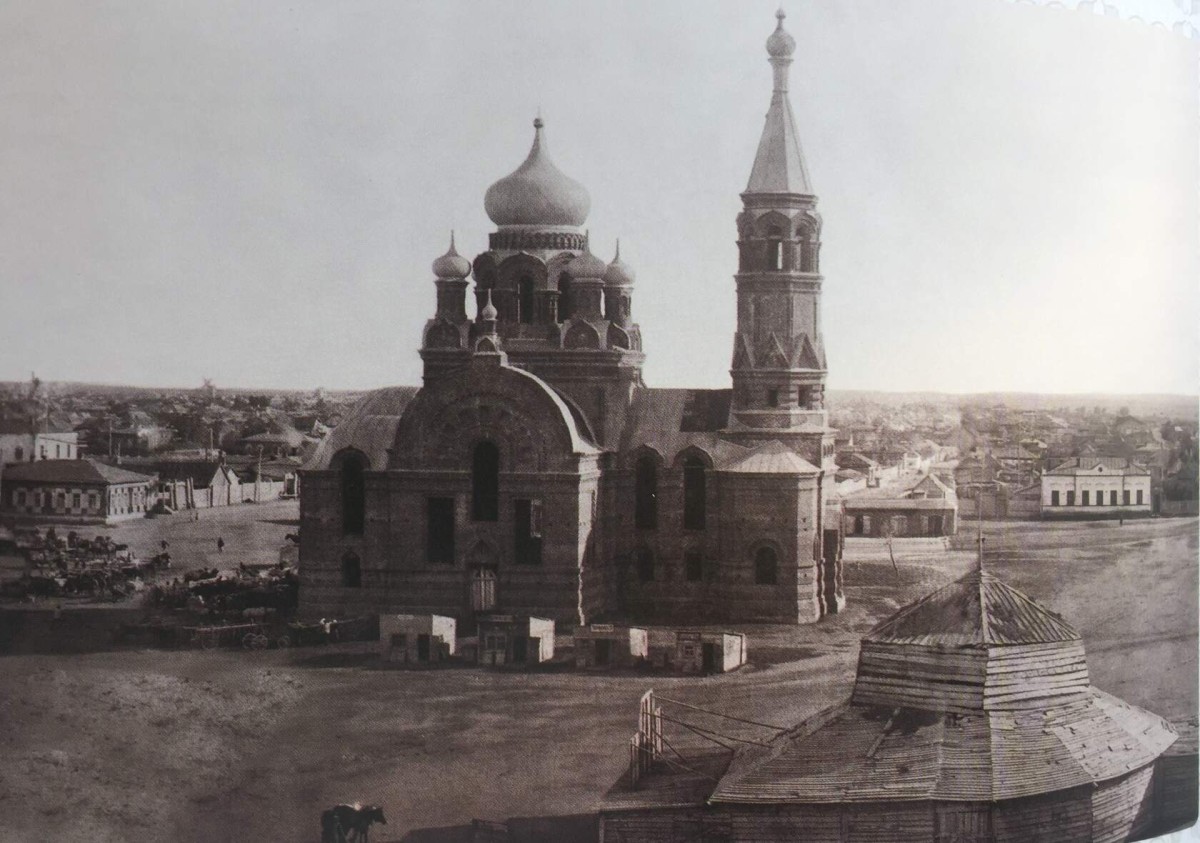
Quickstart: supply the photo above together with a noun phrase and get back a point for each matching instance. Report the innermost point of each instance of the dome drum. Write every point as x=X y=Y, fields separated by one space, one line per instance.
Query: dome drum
x=520 y=237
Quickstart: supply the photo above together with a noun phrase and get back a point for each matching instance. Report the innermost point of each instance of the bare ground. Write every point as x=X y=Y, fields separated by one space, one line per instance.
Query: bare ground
x=251 y=746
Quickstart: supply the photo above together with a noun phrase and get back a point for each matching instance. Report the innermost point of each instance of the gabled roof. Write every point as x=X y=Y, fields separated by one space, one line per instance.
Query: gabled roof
x=72 y=471
x=977 y=610
x=771 y=457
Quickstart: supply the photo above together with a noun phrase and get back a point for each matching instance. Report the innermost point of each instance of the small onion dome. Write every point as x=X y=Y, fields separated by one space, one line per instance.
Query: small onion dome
x=587 y=265
x=619 y=273
x=537 y=192
x=780 y=45
x=452 y=264
x=489 y=312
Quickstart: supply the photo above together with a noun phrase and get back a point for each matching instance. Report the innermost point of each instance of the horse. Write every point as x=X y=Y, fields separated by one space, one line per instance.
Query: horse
x=349 y=823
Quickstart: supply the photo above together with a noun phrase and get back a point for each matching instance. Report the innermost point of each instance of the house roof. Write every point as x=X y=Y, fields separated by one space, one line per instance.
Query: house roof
x=856 y=503
x=73 y=471
x=290 y=438
x=1090 y=464
x=199 y=471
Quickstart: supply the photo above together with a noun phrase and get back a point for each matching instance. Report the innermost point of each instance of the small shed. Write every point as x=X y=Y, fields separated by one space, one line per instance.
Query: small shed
x=603 y=645
x=416 y=639
x=515 y=639
x=697 y=651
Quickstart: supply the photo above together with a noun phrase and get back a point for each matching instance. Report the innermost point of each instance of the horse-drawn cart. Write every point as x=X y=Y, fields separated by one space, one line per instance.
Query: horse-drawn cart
x=250 y=636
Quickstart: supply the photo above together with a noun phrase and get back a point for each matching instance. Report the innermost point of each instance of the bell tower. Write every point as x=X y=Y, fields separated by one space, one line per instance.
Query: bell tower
x=779 y=363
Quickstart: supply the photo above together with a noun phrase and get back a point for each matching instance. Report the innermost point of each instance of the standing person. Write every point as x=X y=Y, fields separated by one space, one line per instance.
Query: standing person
x=220 y=544
x=164 y=545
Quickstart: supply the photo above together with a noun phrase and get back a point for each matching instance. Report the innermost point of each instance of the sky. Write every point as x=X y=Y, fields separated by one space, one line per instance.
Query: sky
x=254 y=192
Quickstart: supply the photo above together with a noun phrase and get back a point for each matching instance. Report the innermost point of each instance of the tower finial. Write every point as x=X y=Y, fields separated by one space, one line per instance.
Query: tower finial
x=452 y=249
x=488 y=313
x=617 y=257
x=780 y=45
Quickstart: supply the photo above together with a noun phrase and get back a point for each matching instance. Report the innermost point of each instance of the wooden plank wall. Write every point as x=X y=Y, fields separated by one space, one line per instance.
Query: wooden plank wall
x=1027 y=676
x=926 y=678
x=1052 y=818
x=1175 y=802
x=1122 y=808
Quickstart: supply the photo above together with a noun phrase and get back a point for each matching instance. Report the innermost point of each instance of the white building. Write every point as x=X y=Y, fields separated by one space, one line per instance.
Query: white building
x=1096 y=487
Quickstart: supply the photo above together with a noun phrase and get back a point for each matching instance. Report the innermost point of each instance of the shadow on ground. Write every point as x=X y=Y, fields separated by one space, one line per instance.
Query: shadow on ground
x=574 y=828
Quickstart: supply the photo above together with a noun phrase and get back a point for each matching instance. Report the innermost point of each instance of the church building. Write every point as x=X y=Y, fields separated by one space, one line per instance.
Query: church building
x=535 y=473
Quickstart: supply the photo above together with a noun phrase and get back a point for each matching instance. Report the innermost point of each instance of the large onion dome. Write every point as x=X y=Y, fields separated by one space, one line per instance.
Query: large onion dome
x=780 y=45
x=619 y=273
x=451 y=264
x=537 y=193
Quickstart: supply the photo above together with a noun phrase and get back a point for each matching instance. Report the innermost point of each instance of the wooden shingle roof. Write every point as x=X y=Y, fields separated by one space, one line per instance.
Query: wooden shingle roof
x=859 y=753
x=976 y=610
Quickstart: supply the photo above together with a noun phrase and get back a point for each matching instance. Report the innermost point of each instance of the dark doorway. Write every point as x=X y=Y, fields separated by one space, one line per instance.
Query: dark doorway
x=520 y=649
x=603 y=651
x=422 y=648
x=858 y=525
x=708 y=658
x=935 y=525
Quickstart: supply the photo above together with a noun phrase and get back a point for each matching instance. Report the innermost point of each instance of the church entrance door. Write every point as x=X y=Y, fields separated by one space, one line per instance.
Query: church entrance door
x=483 y=590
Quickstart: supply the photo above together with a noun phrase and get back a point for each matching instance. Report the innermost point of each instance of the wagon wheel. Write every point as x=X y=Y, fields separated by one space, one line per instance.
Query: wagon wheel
x=207 y=642
x=283 y=642
x=261 y=642
x=250 y=641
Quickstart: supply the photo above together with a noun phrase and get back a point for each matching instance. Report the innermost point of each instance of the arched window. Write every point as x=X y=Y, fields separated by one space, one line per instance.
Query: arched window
x=485 y=482
x=646 y=493
x=565 y=310
x=351 y=571
x=694 y=494
x=774 y=248
x=643 y=559
x=354 y=498
x=525 y=300
x=766 y=566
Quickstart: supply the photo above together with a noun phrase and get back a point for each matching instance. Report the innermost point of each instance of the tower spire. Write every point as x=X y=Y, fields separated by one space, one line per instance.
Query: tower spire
x=779 y=165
